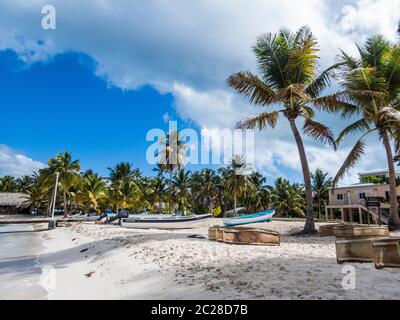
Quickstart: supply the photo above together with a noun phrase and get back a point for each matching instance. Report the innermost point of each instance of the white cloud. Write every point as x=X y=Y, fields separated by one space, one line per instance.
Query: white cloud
x=188 y=48
x=16 y=164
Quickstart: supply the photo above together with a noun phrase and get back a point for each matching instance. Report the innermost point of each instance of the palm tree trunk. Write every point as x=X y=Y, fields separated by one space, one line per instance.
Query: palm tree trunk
x=309 y=227
x=234 y=203
x=170 y=192
x=319 y=207
x=394 y=221
x=65 y=201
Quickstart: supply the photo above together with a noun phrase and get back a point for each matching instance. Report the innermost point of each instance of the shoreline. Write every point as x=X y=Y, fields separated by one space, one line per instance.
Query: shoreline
x=19 y=263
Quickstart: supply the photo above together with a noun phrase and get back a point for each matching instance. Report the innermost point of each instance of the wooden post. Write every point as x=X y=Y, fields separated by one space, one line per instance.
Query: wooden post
x=342 y=214
x=326 y=213
x=360 y=215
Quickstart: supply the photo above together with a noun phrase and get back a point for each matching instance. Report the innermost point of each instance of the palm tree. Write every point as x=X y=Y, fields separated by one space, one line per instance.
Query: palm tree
x=181 y=182
x=36 y=196
x=288 y=66
x=8 y=184
x=321 y=186
x=258 y=197
x=92 y=191
x=68 y=171
x=371 y=87
x=24 y=183
x=205 y=185
x=234 y=180
x=287 y=199
x=120 y=177
x=172 y=156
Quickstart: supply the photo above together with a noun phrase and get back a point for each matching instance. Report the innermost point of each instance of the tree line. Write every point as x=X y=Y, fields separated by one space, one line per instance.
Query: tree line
x=183 y=191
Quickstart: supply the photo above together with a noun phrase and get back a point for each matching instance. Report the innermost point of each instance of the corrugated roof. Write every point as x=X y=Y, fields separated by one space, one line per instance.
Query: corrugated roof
x=12 y=199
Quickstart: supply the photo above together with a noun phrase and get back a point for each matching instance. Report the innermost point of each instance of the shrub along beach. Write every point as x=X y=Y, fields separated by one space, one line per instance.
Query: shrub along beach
x=106 y=261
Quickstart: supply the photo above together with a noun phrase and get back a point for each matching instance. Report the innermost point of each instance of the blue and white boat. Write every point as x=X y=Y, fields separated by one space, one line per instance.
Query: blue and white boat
x=253 y=218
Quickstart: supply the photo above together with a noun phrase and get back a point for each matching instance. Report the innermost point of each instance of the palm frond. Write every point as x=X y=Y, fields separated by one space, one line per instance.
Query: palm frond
x=252 y=87
x=355 y=154
x=260 y=121
x=358 y=126
x=318 y=131
x=336 y=103
x=322 y=81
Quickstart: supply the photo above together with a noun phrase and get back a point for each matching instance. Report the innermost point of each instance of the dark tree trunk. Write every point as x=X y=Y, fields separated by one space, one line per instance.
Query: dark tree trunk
x=65 y=201
x=309 y=227
x=394 y=221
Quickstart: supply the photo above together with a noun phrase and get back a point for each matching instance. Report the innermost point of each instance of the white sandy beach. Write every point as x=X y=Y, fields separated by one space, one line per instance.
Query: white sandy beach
x=108 y=262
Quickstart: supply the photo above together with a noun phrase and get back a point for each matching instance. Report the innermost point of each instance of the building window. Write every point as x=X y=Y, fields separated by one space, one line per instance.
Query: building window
x=340 y=196
x=361 y=195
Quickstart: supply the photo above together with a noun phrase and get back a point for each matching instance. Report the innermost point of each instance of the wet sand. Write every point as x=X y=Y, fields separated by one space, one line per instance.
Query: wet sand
x=20 y=271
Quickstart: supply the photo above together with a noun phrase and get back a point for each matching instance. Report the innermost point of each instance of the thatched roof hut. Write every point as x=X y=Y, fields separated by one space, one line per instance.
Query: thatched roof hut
x=12 y=203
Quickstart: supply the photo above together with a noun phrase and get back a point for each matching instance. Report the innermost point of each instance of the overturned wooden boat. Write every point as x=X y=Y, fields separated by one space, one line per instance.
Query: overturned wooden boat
x=360 y=231
x=251 y=236
x=248 y=219
x=354 y=250
x=149 y=221
x=216 y=233
x=386 y=253
x=328 y=229
x=244 y=236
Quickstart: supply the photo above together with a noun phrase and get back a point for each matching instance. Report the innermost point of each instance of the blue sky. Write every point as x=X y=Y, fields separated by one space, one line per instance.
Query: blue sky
x=112 y=71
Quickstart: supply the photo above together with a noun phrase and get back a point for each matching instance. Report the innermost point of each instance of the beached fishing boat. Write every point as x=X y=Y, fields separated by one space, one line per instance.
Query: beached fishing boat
x=162 y=221
x=253 y=218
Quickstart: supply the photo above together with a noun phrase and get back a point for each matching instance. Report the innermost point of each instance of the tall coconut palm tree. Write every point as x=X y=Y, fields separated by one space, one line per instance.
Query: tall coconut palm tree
x=288 y=199
x=68 y=171
x=120 y=177
x=172 y=156
x=288 y=85
x=321 y=186
x=181 y=182
x=234 y=180
x=371 y=88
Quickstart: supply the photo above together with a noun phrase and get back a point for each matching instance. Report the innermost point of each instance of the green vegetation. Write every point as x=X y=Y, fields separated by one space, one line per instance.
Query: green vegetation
x=204 y=191
x=370 y=91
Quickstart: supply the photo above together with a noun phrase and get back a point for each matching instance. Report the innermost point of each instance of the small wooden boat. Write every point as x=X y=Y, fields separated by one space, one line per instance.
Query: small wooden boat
x=213 y=233
x=386 y=252
x=328 y=229
x=360 y=231
x=251 y=236
x=253 y=218
x=354 y=250
x=149 y=221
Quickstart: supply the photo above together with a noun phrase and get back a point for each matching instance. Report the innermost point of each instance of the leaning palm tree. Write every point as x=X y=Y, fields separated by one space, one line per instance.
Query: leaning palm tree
x=68 y=171
x=321 y=186
x=371 y=88
x=288 y=64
